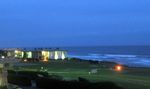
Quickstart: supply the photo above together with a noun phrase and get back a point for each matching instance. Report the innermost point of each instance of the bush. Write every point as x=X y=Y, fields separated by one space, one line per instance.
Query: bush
x=57 y=77
x=24 y=77
x=47 y=83
x=55 y=82
x=4 y=87
x=32 y=74
x=105 y=85
x=82 y=79
x=19 y=80
x=11 y=72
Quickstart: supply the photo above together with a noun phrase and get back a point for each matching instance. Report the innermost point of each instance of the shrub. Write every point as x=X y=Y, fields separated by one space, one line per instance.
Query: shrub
x=19 y=80
x=105 y=85
x=57 y=77
x=31 y=74
x=82 y=79
x=47 y=83
x=11 y=72
x=3 y=87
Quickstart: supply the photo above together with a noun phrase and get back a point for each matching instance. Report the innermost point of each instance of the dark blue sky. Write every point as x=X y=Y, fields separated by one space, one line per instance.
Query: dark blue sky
x=25 y=23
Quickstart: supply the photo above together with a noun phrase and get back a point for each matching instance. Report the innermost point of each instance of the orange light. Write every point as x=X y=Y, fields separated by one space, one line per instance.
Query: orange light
x=118 y=68
x=45 y=60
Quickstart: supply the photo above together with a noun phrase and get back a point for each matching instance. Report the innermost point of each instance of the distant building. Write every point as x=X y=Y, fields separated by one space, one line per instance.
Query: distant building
x=46 y=54
x=28 y=54
x=11 y=53
x=39 y=53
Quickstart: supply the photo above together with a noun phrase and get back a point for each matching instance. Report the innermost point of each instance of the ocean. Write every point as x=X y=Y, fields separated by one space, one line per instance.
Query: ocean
x=135 y=56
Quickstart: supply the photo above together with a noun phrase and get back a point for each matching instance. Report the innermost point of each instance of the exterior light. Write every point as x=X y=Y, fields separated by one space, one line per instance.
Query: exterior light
x=3 y=57
x=25 y=60
x=16 y=51
x=118 y=68
x=16 y=55
x=45 y=60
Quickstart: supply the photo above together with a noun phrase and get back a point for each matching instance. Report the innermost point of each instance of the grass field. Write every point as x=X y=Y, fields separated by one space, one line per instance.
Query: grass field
x=131 y=78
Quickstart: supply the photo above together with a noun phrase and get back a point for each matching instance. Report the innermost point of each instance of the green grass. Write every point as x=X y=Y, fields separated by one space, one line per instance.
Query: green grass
x=132 y=78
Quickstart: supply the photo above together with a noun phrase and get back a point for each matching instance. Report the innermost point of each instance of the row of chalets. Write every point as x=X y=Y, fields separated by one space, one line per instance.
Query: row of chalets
x=44 y=54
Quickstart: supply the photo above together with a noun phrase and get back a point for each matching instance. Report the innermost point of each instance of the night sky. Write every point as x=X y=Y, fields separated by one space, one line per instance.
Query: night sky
x=28 y=23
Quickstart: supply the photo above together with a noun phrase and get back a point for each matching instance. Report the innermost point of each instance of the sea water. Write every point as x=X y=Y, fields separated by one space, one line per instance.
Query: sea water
x=136 y=56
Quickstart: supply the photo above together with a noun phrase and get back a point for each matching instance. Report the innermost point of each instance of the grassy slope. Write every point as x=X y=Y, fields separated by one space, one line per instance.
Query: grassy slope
x=129 y=79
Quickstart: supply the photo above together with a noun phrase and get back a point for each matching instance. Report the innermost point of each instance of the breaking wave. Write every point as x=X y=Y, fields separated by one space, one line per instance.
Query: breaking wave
x=130 y=60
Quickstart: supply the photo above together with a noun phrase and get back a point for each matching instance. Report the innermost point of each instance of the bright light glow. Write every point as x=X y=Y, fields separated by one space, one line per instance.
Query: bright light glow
x=25 y=60
x=63 y=55
x=3 y=57
x=45 y=60
x=16 y=55
x=56 y=55
x=45 y=55
x=29 y=54
x=16 y=51
x=118 y=68
x=22 y=53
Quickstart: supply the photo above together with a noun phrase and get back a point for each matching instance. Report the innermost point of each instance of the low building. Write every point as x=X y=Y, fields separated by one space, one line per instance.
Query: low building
x=39 y=53
x=11 y=53
x=27 y=54
x=45 y=54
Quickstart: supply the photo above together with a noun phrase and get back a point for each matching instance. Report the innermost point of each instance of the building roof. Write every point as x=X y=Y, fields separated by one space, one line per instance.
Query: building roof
x=33 y=49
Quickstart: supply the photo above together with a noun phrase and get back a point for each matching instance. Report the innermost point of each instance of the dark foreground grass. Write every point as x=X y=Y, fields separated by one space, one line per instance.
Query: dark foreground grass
x=4 y=87
x=131 y=78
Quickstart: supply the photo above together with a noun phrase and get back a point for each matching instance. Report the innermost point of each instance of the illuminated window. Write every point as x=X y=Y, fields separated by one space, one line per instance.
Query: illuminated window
x=45 y=55
x=56 y=56
x=63 y=55
x=29 y=54
x=22 y=54
x=16 y=51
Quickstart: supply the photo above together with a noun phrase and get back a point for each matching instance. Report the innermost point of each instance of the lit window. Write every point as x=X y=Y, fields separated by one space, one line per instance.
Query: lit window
x=56 y=55
x=63 y=55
